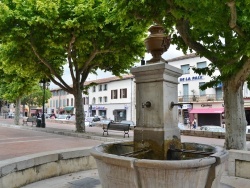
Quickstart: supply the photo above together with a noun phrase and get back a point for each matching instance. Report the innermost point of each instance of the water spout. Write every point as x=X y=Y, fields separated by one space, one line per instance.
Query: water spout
x=146 y=104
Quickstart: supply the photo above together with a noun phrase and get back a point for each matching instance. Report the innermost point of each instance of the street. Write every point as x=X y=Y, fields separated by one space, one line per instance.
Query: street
x=16 y=142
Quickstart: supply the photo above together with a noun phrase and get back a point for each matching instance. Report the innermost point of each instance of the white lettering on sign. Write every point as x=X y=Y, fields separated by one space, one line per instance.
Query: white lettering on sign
x=190 y=78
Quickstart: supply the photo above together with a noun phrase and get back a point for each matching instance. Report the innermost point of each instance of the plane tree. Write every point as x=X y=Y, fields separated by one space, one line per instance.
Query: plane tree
x=35 y=98
x=13 y=88
x=83 y=34
x=218 y=30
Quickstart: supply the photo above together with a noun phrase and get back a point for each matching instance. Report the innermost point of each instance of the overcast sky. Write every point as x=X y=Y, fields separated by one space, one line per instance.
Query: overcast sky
x=171 y=53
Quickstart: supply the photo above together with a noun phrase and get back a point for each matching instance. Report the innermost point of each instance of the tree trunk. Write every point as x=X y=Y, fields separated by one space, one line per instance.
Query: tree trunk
x=80 y=122
x=235 y=118
x=17 y=111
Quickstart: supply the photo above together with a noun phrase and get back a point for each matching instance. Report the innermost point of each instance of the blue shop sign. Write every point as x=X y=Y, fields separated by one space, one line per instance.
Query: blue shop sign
x=98 y=108
x=191 y=78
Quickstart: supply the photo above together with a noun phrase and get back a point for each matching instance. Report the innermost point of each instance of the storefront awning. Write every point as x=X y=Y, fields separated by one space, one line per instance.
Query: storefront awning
x=68 y=108
x=206 y=111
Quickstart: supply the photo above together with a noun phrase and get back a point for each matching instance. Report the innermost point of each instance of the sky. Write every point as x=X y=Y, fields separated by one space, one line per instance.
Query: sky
x=171 y=53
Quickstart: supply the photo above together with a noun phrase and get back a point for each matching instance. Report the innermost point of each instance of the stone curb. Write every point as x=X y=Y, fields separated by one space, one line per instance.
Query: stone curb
x=69 y=133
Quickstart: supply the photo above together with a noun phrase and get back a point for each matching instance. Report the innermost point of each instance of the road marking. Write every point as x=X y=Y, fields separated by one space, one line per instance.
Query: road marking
x=30 y=141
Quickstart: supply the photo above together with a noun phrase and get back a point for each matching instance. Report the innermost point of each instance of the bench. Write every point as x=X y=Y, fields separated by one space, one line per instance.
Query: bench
x=116 y=127
x=29 y=119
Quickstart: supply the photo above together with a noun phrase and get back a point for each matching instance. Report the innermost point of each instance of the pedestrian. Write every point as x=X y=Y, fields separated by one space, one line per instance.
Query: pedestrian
x=194 y=123
x=223 y=124
x=188 y=123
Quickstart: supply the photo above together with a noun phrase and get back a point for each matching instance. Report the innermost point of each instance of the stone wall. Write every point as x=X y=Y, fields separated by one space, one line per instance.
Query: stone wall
x=24 y=170
x=239 y=163
x=207 y=134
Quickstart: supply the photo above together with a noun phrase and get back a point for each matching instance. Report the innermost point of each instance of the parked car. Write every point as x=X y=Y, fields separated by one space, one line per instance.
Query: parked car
x=100 y=123
x=72 y=118
x=47 y=116
x=11 y=115
x=212 y=128
x=92 y=120
x=132 y=124
x=63 y=117
x=181 y=126
x=248 y=129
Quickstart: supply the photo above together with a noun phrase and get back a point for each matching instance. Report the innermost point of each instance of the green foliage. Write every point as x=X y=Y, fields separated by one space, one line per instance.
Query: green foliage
x=36 y=97
x=205 y=26
x=13 y=86
x=40 y=37
x=45 y=35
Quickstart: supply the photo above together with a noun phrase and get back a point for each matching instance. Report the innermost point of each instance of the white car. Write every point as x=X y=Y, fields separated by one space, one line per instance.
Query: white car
x=63 y=117
x=181 y=126
x=248 y=129
x=100 y=123
x=212 y=128
x=132 y=124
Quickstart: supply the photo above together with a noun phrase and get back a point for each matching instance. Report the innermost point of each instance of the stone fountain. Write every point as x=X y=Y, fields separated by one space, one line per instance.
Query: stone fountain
x=157 y=157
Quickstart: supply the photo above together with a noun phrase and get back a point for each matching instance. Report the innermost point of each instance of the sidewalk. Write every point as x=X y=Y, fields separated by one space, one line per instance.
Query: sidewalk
x=90 y=179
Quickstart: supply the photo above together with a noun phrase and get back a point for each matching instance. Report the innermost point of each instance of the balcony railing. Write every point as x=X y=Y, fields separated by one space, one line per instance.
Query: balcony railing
x=197 y=98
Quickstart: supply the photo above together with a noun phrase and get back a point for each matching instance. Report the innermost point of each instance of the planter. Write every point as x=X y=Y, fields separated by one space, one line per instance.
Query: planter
x=194 y=98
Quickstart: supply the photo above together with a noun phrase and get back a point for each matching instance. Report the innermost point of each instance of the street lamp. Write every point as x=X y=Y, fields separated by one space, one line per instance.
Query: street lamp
x=44 y=83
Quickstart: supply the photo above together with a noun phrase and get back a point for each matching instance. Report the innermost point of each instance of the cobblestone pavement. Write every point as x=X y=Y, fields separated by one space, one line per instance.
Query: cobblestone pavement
x=16 y=142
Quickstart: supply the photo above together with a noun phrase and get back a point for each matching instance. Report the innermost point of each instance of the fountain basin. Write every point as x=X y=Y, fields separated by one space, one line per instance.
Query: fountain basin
x=116 y=170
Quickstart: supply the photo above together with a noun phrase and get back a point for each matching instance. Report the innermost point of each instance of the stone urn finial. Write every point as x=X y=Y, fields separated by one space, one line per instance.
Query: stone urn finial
x=157 y=43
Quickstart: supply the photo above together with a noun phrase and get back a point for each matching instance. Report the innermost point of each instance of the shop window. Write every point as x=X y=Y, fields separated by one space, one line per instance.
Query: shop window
x=123 y=93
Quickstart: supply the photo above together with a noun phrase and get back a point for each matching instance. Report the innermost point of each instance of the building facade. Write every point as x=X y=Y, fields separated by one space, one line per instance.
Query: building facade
x=114 y=97
x=61 y=102
x=207 y=106
x=111 y=98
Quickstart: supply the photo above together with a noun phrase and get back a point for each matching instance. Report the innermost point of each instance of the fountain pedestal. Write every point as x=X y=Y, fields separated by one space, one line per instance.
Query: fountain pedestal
x=156 y=125
x=142 y=163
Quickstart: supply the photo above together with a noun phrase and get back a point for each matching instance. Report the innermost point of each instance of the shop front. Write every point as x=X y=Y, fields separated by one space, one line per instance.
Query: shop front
x=184 y=113
x=120 y=114
x=99 y=111
x=207 y=116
